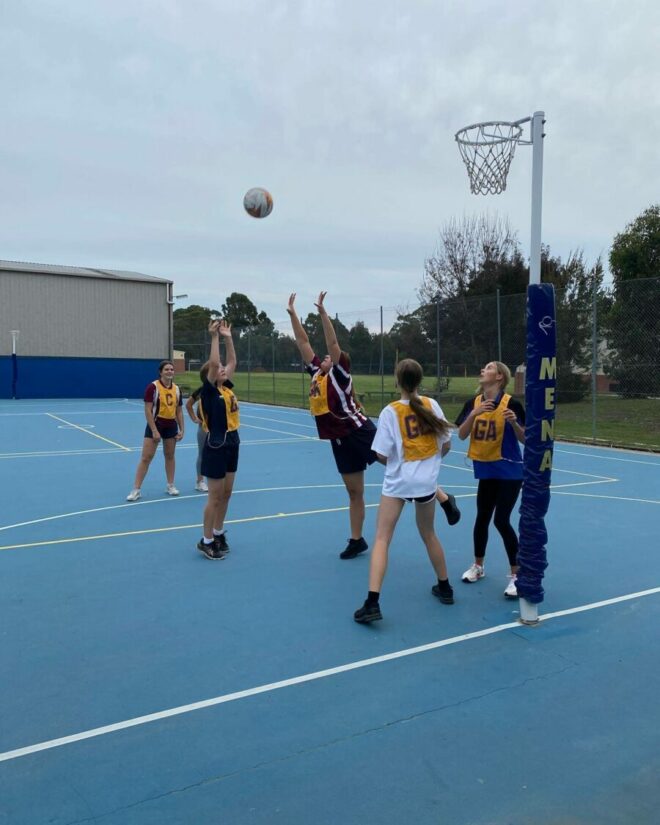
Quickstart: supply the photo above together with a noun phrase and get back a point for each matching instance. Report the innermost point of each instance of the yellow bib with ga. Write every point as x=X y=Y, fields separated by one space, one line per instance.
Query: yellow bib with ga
x=416 y=445
x=168 y=399
x=231 y=404
x=488 y=432
x=318 y=394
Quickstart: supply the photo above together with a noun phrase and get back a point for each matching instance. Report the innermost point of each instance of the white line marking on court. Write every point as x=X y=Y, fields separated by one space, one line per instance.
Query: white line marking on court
x=94 y=435
x=611 y=498
x=17 y=753
x=583 y=483
x=277 y=420
x=614 y=458
x=301 y=436
x=51 y=453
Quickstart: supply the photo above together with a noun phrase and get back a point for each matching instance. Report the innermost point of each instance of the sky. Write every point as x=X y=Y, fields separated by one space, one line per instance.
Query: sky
x=133 y=128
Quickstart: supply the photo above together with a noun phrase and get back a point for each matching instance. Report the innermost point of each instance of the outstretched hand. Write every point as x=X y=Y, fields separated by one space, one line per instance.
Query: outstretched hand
x=214 y=326
x=319 y=302
x=224 y=329
x=291 y=308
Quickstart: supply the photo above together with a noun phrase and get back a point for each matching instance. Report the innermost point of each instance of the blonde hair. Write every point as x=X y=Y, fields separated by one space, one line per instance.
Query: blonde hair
x=505 y=372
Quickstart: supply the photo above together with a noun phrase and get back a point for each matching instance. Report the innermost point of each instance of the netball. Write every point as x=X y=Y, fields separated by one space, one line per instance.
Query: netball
x=258 y=202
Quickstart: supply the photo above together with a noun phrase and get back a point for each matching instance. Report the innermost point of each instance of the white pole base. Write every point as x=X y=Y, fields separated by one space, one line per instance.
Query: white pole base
x=529 y=613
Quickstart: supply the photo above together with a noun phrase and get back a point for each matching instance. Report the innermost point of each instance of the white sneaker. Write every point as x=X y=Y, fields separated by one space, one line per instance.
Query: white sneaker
x=171 y=490
x=511 y=591
x=134 y=495
x=202 y=487
x=473 y=573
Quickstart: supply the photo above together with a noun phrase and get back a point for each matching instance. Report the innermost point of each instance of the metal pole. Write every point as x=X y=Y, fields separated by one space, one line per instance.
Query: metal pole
x=273 y=340
x=437 y=343
x=594 y=361
x=537 y=197
x=249 y=337
x=528 y=609
x=302 y=375
x=14 y=363
x=499 y=327
x=382 y=361
x=170 y=320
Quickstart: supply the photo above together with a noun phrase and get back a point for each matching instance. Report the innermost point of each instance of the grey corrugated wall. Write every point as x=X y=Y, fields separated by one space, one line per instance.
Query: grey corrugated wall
x=71 y=316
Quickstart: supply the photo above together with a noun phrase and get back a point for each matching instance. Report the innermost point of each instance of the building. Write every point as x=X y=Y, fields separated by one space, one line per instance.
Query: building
x=74 y=332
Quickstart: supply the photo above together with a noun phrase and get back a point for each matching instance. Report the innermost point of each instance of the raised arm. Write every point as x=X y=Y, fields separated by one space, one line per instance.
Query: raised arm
x=302 y=341
x=334 y=350
x=214 y=356
x=230 y=362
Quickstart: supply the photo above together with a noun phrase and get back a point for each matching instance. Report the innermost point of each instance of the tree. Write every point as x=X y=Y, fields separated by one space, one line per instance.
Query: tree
x=239 y=311
x=190 y=326
x=633 y=325
x=468 y=257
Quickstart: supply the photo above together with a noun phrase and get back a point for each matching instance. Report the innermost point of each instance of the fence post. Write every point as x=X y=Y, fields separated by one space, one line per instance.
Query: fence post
x=437 y=343
x=249 y=337
x=594 y=358
x=499 y=327
x=302 y=376
x=272 y=338
x=382 y=362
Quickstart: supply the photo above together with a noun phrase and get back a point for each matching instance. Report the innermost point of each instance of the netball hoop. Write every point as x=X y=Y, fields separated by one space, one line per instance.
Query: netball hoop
x=487 y=150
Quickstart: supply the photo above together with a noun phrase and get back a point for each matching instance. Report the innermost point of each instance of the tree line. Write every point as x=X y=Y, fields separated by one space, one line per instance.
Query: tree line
x=477 y=275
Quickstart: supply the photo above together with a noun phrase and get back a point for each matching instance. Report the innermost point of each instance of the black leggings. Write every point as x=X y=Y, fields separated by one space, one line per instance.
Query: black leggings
x=498 y=495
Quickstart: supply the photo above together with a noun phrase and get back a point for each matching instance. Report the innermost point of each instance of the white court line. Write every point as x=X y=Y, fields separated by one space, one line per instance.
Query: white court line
x=83 y=430
x=17 y=753
x=170 y=501
x=277 y=420
x=301 y=436
x=613 y=458
x=583 y=483
x=611 y=498
x=49 y=453
x=296 y=439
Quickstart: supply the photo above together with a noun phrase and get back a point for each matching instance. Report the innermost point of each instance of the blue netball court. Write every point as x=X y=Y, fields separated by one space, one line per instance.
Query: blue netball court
x=145 y=684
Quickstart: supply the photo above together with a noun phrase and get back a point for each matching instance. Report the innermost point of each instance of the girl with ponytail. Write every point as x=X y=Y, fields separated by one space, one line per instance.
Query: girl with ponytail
x=412 y=437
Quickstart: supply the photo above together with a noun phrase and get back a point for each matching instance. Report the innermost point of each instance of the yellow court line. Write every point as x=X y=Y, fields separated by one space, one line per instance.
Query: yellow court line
x=82 y=429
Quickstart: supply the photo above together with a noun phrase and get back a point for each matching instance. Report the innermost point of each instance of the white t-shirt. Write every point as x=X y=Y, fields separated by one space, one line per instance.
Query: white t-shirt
x=406 y=479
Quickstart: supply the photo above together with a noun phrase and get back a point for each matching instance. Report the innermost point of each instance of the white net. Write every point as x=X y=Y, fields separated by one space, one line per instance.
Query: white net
x=487 y=150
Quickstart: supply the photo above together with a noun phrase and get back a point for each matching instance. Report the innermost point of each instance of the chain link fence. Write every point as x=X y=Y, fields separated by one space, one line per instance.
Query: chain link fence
x=608 y=357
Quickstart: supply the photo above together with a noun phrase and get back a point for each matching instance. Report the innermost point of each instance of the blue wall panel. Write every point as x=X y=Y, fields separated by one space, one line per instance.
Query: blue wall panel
x=77 y=377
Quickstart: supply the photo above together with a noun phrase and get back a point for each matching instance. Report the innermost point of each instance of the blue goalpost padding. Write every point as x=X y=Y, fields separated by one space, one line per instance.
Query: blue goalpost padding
x=540 y=384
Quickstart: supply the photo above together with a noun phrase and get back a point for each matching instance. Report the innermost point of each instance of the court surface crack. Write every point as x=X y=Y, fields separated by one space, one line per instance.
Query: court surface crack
x=327 y=744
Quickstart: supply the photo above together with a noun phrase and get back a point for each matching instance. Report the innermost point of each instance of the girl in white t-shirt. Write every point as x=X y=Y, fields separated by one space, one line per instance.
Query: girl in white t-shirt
x=413 y=435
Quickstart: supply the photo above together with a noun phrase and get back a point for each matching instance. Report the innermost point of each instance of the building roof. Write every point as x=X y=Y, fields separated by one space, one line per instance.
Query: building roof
x=78 y=272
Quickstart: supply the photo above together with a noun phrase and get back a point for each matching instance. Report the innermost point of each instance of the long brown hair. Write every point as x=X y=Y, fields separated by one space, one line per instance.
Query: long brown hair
x=409 y=376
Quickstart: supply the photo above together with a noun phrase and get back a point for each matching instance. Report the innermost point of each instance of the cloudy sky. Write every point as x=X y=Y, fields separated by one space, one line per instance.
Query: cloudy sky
x=132 y=128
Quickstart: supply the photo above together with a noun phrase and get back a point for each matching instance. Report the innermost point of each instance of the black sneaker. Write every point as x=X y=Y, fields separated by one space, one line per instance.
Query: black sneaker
x=220 y=543
x=209 y=551
x=452 y=512
x=368 y=613
x=444 y=592
x=353 y=548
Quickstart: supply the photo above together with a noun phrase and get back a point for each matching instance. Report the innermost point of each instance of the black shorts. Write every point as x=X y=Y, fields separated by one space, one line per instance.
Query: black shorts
x=218 y=461
x=422 y=499
x=353 y=453
x=165 y=430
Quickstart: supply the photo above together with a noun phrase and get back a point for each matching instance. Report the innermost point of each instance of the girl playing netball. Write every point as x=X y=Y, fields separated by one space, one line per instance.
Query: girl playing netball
x=413 y=435
x=338 y=417
x=162 y=409
x=218 y=411
x=495 y=423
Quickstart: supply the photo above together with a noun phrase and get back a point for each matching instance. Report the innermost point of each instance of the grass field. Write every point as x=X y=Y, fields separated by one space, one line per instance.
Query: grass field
x=622 y=422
